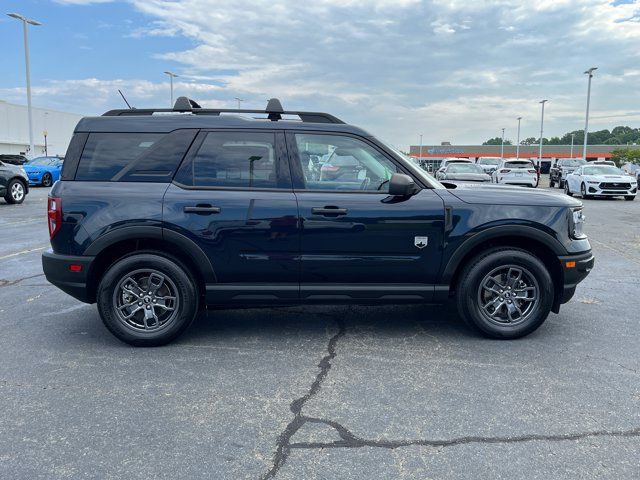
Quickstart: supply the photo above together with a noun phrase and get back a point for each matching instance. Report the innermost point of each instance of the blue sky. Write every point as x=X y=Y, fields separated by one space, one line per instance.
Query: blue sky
x=455 y=70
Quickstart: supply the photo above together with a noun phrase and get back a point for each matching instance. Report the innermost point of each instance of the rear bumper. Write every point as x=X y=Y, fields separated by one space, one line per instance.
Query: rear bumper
x=57 y=270
x=575 y=268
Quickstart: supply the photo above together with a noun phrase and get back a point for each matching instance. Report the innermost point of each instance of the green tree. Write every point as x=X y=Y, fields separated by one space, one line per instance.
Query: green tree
x=497 y=141
x=624 y=155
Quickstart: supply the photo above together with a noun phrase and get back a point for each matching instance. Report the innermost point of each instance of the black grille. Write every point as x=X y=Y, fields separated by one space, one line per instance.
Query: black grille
x=615 y=186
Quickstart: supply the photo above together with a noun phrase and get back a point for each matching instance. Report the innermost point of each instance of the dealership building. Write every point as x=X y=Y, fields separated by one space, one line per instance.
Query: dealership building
x=14 y=130
x=433 y=154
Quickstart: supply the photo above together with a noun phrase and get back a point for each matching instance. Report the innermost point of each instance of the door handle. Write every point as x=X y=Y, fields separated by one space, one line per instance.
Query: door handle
x=202 y=209
x=329 y=211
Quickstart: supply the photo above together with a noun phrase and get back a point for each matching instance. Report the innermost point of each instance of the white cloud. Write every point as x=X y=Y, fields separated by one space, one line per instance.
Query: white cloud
x=452 y=69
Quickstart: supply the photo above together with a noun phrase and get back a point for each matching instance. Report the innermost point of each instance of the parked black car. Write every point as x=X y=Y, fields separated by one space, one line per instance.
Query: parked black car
x=157 y=216
x=563 y=167
x=14 y=183
x=13 y=159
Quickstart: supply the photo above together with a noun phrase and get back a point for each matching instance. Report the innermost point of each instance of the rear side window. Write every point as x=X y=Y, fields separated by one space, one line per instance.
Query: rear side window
x=234 y=160
x=133 y=157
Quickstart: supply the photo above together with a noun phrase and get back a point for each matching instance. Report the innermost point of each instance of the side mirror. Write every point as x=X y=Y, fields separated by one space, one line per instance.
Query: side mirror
x=402 y=185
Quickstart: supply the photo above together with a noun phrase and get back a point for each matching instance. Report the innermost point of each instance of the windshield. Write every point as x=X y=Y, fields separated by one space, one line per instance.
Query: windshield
x=489 y=161
x=416 y=170
x=602 y=170
x=42 y=161
x=464 y=168
x=572 y=162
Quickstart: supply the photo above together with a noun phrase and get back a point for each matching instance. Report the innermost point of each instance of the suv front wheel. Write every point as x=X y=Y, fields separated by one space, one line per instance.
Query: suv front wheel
x=505 y=293
x=147 y=299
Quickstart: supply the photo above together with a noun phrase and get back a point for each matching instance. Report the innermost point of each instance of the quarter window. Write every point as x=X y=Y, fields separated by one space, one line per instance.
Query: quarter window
x=336 y=162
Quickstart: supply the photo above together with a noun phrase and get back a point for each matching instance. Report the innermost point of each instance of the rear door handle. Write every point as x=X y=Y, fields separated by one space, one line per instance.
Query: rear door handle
x=329 y=211
x=202 y=209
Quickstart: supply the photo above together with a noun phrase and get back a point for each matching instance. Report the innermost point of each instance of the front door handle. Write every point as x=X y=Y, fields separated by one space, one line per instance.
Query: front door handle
x=329 y=211
x=202 y=209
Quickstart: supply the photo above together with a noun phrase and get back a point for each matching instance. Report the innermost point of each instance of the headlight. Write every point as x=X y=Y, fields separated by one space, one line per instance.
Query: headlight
x=591 y=181
x=577 y=222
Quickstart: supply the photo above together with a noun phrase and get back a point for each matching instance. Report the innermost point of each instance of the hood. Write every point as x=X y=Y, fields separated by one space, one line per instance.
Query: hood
x=492 y=194
x=609 y=178
x=15 y=168
x=469 y=177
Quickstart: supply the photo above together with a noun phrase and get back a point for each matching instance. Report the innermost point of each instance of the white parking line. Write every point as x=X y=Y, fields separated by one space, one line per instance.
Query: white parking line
x=23 y=252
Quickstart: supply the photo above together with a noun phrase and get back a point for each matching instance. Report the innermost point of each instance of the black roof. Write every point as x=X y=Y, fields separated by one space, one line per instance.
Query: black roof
x=188 y=114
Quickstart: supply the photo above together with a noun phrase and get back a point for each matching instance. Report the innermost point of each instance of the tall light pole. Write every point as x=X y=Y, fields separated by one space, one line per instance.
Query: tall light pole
x=586 y=119
x=542 y=102
x=25 y=30
x=171 y=77
x=571 y=154
x=239 y=100
x=502 y=146
x=518 y=144
x=420 y=151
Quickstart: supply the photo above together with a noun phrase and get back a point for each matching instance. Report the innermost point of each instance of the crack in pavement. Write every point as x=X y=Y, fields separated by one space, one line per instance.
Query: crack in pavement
x=283 y=448
x=7 y=283
x=349 y=440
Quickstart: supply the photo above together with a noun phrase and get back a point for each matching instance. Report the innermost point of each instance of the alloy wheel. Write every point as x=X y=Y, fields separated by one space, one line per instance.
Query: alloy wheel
x=17 y=191
x=146 y=300
x=508 y=295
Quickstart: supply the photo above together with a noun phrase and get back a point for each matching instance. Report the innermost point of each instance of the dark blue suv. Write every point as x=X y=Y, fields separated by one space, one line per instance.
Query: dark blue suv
x=161 y=213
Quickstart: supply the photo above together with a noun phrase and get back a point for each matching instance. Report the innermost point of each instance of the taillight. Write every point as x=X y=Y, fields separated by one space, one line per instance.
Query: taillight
x=54 y=215
x=532 y=171
x=505 y=170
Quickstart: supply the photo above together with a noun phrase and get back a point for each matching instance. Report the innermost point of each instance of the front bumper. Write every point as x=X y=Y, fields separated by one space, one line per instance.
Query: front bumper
x=575 y=268
x=600 y=191
x=57 y=270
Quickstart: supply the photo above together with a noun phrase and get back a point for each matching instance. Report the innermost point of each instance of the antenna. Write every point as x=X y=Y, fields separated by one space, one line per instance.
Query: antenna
x=125 y=100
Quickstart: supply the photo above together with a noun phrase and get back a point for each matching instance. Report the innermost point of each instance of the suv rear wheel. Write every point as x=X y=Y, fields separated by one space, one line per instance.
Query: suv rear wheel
x=147 y=299
x=505 y=293
x=15 y=192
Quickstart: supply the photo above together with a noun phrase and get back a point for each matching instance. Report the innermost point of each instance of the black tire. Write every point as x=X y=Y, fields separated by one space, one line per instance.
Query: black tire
x=16 y=191
x=567 y=190
x=47 y=180
x=630 y=198
x=551 y=183
x=176 y=283
x=469 y=293
x=560 y=183
x=583 y=192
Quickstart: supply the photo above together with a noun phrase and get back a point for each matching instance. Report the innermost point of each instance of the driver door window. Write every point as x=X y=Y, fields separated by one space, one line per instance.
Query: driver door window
x=336 y=162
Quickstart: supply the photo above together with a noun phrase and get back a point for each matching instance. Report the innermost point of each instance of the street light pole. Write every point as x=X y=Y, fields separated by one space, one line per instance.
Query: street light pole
x=572 y=135
x=171 y=77
x=518 y=144
x=26 y=21
x=502 y=146
x=541 y=130
x=239 y=100
x=586 y=119
x=420 y=151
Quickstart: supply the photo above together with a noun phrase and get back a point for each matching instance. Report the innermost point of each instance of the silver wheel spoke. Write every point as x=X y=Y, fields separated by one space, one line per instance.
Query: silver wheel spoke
x=155 y=282
x=168 y=303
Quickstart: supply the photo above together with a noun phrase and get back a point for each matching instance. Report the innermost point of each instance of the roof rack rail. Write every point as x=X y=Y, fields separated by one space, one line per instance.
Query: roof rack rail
x=274 y=111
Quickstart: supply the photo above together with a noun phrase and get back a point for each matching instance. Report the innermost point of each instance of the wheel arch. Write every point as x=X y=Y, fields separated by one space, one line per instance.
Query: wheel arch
x=538 y=243
x=124 y=241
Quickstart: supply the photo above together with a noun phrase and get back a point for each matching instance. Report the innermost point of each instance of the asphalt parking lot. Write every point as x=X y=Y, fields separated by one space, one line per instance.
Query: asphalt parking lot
x=322 y=392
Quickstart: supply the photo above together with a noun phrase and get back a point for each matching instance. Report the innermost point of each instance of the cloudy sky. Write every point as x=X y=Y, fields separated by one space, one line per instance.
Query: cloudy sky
x=455 y=70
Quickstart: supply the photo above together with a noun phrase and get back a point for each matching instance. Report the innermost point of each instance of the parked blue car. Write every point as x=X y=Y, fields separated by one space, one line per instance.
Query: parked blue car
x=43 y=170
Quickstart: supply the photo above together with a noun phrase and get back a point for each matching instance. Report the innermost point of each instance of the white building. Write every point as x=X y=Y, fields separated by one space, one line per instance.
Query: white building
x=14 y=129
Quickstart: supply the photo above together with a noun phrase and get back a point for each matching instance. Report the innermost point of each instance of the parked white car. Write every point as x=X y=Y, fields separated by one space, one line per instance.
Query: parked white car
x=489 y=164
x=450 y=160
x=601 y=181
x=463 y=172
x=516 y=171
